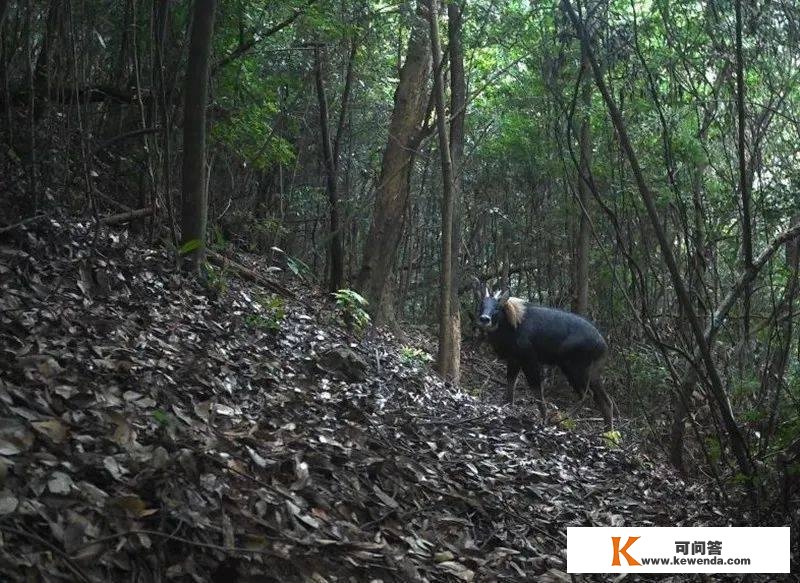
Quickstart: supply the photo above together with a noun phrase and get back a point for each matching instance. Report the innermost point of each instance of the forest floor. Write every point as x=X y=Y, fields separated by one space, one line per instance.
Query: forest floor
x=155 y=429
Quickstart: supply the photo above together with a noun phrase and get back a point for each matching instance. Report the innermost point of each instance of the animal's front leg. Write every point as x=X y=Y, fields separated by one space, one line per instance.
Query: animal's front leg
x=511 y=379
x=533 y=373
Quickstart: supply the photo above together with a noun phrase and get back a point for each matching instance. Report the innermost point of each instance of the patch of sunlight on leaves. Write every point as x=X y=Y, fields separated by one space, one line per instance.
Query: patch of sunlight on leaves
x=612 y=438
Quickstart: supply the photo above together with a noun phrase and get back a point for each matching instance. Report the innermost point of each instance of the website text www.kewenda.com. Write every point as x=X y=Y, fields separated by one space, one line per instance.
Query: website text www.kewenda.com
x=694 y=561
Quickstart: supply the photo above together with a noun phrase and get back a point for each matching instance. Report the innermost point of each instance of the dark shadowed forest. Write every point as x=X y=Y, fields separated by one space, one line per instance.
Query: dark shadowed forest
x=270 y=272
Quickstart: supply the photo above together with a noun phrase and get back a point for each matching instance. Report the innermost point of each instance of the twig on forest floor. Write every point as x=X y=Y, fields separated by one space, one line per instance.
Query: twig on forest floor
x=126 y=216
x=249 y=274
x=22 y=223
x=164 y=535
x=456 y=423
x=69 y=561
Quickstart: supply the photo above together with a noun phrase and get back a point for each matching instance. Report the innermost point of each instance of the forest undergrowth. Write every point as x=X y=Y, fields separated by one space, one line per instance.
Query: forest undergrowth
x=156 y=428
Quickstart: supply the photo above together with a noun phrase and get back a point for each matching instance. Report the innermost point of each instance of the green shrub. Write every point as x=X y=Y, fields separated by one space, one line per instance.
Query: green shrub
x=414 y=356
x=351 y=309
x=299 y=268
x=215 y=279
x=647 y=370
x=271 y=312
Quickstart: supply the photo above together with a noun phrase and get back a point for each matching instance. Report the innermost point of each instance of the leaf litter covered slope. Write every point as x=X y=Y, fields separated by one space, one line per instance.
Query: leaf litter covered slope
x=152 y=430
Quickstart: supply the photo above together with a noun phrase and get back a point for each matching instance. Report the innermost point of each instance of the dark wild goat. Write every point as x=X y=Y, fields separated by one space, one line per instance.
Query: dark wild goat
x=527 y=337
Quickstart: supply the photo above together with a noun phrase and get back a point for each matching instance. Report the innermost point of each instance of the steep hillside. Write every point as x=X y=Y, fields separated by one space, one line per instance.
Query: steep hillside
x=155 y=429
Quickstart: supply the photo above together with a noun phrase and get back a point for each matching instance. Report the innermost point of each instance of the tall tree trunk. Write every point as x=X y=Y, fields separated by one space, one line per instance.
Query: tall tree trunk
x=161 y=17
x=345 y=120
x=458 y=96
x=392 y=193
x=335 y=253
x=445 y=355
x=744 y=182
x=344 y=110
x=194 y=213
x=42 y=75
x=580 y=301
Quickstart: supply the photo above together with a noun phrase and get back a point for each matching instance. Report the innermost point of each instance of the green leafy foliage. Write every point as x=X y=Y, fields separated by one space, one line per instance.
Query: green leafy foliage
x=270 y=227
x=271 y=310
x=215 y=279
x=714 y=449
x=612 y=438
x=248 y=133
x=218 y=242
x=414 y=356
x=646 y=370
x=189 y=246
x=297 y=267
x=351 y=309
x=745 y=386
x=161 y=417
x=568 y=423
x=671 y=71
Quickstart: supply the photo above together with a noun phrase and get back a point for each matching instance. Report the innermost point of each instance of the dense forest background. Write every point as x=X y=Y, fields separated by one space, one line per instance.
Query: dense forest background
x=633 y=161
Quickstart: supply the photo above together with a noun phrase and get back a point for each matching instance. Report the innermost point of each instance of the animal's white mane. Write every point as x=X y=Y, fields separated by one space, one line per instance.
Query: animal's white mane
x=515 y=311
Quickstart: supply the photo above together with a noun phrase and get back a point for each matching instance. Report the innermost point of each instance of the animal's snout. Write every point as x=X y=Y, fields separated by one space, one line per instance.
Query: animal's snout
x=484 y=319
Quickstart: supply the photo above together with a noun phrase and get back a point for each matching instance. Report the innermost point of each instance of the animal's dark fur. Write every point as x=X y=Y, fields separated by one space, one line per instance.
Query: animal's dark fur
x=545 y=336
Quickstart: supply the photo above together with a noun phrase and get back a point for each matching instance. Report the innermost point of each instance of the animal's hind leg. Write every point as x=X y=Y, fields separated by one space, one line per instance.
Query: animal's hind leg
x=603 y=402
x=533 y=374
x=601 y=398
x=584 y=377
x=577 y=374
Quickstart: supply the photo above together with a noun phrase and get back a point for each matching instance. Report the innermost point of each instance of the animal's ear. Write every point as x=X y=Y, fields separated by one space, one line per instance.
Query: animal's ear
x=503 y=297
